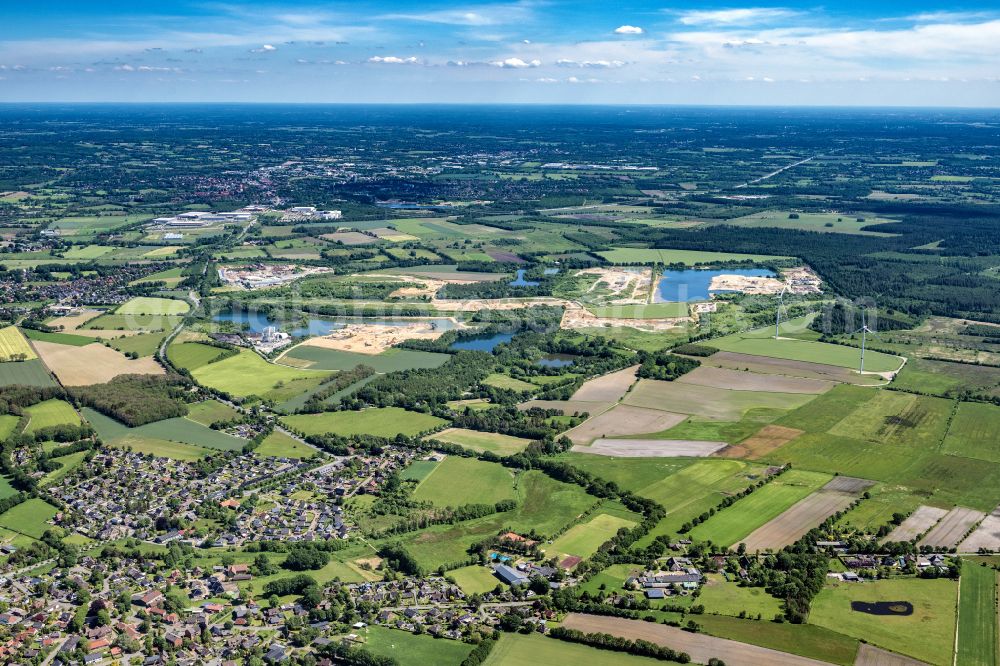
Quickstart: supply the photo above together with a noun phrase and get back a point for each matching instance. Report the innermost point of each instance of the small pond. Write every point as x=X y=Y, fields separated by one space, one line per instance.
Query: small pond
x=883 y=607
x=485 y=343
x=519 y=280
x=556 y=360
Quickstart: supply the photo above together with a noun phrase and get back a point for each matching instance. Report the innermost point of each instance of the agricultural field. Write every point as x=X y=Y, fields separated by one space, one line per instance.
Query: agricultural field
x=380 y=422
x=50 y=413
x=735 y=522
x=121 y=436
x=928 y=634
x=145 y=305
x=835 y=223
x=456 y=481
x=502 y=445
x=729 y=598
x=391 y=360
x=977 y=616
x=791 y=525
x=193 y=355
x=208 y=412
x=622 y=420
x=92 y=364
x=544 y=505
x=247 y=374
x=27 y=373
x=475 y=579
x=507 y=382
x=624 y=255
x=973 y=432
x=29 y=518
x=13 y=346
x=528 y=650
x=58 y=338
x=706 y=402
x=410 y=650
x=142 y=344
x=761 y=343
x=280 y=445
x=583 y=539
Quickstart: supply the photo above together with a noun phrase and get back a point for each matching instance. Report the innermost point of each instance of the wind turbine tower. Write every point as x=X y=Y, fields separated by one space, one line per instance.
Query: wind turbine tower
x=864 y=331
x=777 y=315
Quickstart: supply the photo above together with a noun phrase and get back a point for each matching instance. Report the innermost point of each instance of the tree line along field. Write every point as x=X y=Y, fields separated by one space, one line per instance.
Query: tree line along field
x=652 y=256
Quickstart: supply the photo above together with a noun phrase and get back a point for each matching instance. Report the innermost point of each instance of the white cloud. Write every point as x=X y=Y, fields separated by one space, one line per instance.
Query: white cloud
x=591 y=64
x=516 y=63
x=547 y=79
x=745 y=16
x=498 y=14
x=266 y=48
x=629 y=30
x=393 y=60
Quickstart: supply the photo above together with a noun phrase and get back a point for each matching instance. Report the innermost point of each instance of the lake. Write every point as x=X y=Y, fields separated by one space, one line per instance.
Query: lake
x=693 y=284
x=484 y=343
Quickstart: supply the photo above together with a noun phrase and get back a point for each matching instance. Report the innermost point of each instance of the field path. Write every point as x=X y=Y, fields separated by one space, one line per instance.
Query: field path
x=701 y=647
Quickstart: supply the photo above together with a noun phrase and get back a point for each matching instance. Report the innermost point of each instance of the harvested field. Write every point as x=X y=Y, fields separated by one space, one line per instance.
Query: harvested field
x=793 y=524
x=624 y=420
x=701 y=647
x=779 y=366
x=708 y=402
x=607 y=388
x=952 y=528
x=918 y=522
x=987 y=535
x=869 y=655
x=651 y=448
x=767 y=439
x=567 y=407
x=350 y=238
x=751 y=381
x=92 y=364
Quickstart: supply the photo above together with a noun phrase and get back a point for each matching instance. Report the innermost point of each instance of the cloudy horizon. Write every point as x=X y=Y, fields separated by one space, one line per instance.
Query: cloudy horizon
x=884 y=54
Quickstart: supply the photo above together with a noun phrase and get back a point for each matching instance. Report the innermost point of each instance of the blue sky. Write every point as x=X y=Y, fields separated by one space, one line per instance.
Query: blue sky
x=536 y=51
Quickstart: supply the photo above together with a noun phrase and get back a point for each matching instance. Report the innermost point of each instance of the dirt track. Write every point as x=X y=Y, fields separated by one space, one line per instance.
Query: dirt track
x=700 y=646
